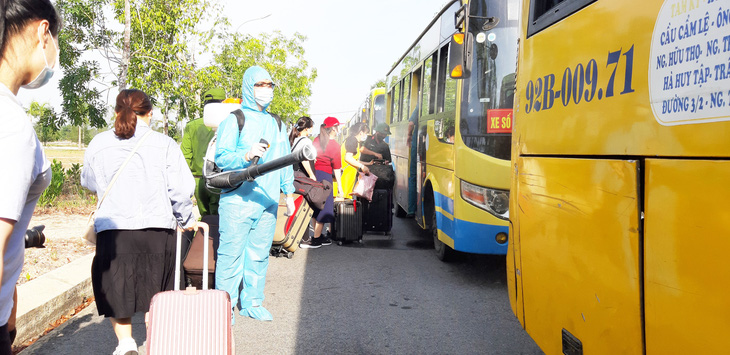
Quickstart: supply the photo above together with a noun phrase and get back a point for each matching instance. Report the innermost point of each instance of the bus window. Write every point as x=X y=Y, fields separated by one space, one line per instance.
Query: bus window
x=405 y=98
x=378 y=111
x=429 y=85
x=547 y=12
x=444 y=129
x=442 y=75
x=395 y=110
x=449 y=89
x=486 y=112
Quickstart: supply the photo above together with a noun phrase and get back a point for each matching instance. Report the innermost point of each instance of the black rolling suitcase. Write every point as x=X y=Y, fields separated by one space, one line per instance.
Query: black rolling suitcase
x=378 y=213
x=348 y=221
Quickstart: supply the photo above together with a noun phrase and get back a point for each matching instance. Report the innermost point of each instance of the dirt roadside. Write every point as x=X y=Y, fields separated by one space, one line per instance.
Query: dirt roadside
x=63 y=244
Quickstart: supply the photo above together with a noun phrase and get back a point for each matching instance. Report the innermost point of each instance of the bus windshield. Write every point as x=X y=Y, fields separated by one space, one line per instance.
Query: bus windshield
x=379 y=110
x=486 y=112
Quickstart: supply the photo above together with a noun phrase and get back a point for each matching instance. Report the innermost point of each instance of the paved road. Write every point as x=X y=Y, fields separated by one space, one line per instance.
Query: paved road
x=388 y=296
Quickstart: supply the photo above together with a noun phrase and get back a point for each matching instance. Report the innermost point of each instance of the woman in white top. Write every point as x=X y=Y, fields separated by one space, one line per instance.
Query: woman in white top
x=136 y=222
x=28 y=54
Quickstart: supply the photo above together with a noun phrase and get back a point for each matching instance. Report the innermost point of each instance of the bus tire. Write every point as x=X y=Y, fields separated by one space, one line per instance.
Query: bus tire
x=443 y=251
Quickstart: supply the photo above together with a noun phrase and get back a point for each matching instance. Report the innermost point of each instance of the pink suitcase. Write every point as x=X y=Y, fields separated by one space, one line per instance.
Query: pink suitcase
x=191 y=321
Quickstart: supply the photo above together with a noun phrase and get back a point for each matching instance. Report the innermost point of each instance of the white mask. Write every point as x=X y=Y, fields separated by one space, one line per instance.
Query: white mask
x=47 y=73
x=263 y=95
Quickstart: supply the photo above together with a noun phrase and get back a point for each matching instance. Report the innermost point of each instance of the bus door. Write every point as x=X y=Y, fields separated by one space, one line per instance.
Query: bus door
x=418 y=146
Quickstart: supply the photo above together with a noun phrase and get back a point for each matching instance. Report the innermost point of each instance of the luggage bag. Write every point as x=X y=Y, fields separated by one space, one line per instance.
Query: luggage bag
x=385 y=174
x=378 y=213
x=348 y=221
x=192 y=321
x=193 y=261
x=291 y=229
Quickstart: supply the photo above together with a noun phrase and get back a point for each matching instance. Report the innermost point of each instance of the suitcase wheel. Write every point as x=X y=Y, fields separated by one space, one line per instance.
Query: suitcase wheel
x=339 y=242
x=289 y=255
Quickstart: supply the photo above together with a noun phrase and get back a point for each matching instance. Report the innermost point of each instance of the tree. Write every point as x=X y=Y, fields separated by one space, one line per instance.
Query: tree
x=157 y=54
x=47 y=121
x=84 y=29
x=282 y=57
x=378 y=84
x=124 y=70
x=161 y=60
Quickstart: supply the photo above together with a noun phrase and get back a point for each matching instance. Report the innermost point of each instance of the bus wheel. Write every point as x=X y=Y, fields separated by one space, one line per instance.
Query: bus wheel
x=443 y=251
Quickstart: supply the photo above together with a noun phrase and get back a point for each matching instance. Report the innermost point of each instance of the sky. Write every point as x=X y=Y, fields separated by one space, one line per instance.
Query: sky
x=352 y=44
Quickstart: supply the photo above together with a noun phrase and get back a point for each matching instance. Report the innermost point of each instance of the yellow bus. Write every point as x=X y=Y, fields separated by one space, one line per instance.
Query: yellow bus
x=372 y=110
x=620 y=227
x=449 y=104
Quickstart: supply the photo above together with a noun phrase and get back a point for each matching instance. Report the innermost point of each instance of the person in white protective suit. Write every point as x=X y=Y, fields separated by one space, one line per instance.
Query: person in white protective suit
x=248 y=213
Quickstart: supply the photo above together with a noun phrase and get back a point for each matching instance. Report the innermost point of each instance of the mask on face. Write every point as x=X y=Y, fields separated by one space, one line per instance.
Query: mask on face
x=362 y=137
x=263 y=95
x=47 y=73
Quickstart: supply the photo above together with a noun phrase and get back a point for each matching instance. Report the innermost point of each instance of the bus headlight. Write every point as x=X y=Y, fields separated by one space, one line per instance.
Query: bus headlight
x=493 y=201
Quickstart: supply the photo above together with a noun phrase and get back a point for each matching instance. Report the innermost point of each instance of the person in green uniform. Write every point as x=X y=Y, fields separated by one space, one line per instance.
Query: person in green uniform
x=194 y=145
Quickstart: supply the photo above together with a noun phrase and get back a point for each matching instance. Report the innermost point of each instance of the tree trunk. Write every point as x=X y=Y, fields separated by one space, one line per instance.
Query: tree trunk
x=126 y=51
x=80 y=146
x=164 y=115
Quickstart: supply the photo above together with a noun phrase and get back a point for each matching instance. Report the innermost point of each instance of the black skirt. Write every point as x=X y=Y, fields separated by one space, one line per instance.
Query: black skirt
x=131 y=266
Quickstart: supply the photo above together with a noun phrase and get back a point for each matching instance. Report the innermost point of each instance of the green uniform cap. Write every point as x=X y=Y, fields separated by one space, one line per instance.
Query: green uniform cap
x=383 y=128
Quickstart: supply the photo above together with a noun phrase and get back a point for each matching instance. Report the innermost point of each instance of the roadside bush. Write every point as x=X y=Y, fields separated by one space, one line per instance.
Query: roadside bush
x=65 y=190
x=54 y=190
x=73 y=181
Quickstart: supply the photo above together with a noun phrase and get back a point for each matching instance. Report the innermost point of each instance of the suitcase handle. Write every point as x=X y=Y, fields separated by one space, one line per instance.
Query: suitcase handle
x=178 y=252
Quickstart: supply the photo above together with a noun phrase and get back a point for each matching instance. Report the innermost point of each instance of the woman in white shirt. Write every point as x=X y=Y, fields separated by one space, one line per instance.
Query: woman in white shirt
x=136 y=222
x=28 y=54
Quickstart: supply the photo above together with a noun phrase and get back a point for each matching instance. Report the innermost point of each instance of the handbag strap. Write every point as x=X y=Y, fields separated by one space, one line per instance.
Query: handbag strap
x=114 y=179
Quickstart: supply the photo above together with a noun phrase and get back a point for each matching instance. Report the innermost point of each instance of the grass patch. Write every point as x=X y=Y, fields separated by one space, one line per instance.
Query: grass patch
x=67 y=157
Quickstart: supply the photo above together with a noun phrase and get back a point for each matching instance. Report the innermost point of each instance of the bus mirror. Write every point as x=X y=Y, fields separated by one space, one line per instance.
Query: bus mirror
x=457 y=56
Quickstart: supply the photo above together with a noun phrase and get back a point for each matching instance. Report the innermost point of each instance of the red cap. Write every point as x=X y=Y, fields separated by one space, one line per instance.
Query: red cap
x=331 y=122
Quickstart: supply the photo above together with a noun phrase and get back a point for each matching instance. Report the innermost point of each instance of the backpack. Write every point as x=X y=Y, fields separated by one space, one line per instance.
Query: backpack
x=385 y=174
x=211 y=170
x=315 y=192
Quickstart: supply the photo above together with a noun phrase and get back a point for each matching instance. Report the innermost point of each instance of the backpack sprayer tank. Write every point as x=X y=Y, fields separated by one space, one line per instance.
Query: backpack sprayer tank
x=213 y=115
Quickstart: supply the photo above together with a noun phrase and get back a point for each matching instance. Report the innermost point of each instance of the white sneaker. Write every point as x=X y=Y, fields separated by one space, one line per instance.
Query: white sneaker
x=126 y=346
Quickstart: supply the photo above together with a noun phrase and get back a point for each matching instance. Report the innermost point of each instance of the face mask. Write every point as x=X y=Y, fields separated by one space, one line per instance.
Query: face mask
x=263 y=95
x=362 y=137
x=47 y=73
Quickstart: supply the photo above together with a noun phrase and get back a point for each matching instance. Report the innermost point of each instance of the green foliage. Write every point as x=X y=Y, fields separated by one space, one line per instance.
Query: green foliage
x=54 y=190
x=71 y=133
x=47 y=121
x=165 y=39
x=162 y=64
x=83 y=30
x=282 y=57
x=73 y=181
x=378 y=84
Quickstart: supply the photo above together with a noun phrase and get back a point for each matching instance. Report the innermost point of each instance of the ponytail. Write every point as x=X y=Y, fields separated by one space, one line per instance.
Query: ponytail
x=303 y=123
x=357 y=128
x=130 y=104
x=324 y=136
x=3 y=9
x=16 y=14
